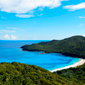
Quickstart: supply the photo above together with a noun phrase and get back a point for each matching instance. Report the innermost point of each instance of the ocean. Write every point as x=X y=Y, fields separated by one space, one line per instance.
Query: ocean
x=10 y=51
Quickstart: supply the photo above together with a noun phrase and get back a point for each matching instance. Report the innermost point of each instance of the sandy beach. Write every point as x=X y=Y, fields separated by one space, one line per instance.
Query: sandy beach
x=79 y=63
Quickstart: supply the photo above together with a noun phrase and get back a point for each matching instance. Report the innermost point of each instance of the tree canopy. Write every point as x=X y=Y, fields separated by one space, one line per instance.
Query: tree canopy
x=24 y=74
x=73 y=46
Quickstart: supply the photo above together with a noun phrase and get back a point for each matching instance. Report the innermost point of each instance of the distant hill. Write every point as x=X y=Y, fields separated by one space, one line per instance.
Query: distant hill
x=73 y=46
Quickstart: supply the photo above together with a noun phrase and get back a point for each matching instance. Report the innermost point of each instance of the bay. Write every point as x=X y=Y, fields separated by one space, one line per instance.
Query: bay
x=10 y=51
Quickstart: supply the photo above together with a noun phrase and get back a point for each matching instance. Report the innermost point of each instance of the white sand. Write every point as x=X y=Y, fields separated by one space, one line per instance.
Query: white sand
x=79 y=63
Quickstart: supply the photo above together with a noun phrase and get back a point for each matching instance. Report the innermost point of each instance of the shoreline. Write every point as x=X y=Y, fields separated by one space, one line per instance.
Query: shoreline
x=79 y=63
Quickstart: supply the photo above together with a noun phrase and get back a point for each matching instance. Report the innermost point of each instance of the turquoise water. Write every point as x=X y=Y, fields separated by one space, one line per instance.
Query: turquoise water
x=10 y=52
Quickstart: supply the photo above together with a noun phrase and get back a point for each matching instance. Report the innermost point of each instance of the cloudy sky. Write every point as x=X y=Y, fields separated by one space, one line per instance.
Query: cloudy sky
x=41 y=19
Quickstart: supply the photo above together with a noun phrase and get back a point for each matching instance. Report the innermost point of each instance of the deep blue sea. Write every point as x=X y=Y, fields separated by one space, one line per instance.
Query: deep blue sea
x=10 y=51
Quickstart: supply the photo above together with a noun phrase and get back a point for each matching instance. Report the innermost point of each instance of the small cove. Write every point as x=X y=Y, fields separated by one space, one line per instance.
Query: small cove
x=10 y=52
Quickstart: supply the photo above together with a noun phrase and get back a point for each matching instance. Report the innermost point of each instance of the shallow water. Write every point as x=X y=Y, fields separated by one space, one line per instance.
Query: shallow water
x=10 y=52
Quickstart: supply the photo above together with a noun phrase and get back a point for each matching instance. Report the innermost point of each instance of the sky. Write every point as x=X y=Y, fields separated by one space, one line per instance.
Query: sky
x=41 y=19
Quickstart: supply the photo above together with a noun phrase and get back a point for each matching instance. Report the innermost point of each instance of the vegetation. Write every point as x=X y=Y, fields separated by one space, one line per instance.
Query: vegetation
x=76 y=75
x=73 y=46
x=24 y=74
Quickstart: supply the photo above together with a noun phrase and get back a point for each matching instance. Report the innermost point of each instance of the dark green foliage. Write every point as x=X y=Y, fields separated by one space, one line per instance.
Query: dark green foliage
x=76 y=75
x=73 y=46
x=24 y=74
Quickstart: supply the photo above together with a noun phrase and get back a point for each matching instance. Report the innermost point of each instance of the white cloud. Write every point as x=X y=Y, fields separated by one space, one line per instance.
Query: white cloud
x=75 y=7
x=40 y=9
x=7 y=31
x=13 y=37
x=3 y=17
x=39 y=14
x=7 y=37
x=22 y=30
x=81 y=25
x=1 y=38
x=24 y=15
x=13 y=28
x=81 y=17
x=27 y=6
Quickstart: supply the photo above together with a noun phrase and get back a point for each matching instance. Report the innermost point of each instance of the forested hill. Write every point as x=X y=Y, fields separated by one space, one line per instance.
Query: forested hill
x=73 y=46
x=75 y=75
x=24 y=74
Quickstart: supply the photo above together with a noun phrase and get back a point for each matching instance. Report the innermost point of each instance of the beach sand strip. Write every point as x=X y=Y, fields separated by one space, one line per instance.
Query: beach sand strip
x=79 y=63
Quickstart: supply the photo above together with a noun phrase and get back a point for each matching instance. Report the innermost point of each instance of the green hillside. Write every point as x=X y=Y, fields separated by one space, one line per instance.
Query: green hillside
x=76 y=75
x=24 y=74
x=73 y=46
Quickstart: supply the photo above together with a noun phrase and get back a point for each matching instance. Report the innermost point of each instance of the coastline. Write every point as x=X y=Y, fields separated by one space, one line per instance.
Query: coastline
x=79 y=63
x=74 y=65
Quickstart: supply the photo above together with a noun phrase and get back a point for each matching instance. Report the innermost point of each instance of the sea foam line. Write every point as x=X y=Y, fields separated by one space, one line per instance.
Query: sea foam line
x=79 y=63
